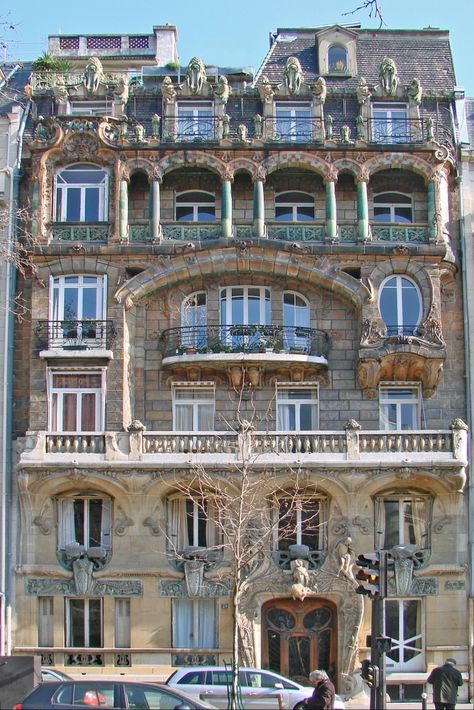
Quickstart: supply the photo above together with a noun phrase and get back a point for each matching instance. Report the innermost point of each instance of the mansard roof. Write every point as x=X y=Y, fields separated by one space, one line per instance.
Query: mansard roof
x=16 y=76
x=425 y=54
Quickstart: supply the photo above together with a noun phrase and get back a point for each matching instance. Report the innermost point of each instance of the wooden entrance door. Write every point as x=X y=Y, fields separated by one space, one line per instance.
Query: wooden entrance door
x=298 y=637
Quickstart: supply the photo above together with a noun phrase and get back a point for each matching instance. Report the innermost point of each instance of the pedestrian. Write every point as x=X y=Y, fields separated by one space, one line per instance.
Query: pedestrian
x=445 y=680
x=323 y=693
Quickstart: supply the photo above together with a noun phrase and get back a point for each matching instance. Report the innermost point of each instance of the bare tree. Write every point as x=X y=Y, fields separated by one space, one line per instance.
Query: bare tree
x=249 y=507
x=374 y=8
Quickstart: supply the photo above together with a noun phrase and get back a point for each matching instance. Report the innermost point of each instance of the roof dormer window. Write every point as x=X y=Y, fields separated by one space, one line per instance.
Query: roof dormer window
x=337 y=59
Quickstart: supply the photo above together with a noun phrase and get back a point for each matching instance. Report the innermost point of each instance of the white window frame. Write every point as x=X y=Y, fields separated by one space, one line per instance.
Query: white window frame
x=294 y=206
x=297 y=504
x=281 y=387
x=402 y=644
x=59 y=392
x=288 y=127
x=87 y=621
x=90 y=108
x=122 y=638
x=197 y=110
x=179 y=529
x=60 y=284
x=393 y=206
x=45 y=621
x=194 y=318
x=226 y=300
x=391 y=396
x=393 y=112
x=200 y=624
x=195 y=205
x=415 y=499
x=65 y=514
x=193 y=403
x=61 y=189
x=400 y=327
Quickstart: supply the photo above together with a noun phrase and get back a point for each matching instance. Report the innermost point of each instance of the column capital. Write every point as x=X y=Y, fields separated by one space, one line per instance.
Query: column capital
x=331 y=177
x=362 y=176
x=260 y=174
x=157 y=175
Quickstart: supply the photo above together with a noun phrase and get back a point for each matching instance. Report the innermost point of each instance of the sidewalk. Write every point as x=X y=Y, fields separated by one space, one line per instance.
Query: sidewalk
x=356 y=705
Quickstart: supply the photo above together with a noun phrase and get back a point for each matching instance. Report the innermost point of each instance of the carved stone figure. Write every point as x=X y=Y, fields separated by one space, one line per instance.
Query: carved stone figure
x=345 y=134
x=60 y=93
x=403 y=566
x=222 y=90
x=360 y=127
x=363 y=91
x=328 y=121
x=293 y=76
x=139 y=133
x=42 y=132
x=194 y=575
x=242 y=132
x=93 y=75
x=196 y=75
x=257 y=125
x=415 y=92
x=168 y=91
x=82 y=571
x=388 y=76
x=344 y=553
x=319 y=90
x=155 y=125
x=265 y=90
x=225 y=125
x=121 y=90
x=300 y=587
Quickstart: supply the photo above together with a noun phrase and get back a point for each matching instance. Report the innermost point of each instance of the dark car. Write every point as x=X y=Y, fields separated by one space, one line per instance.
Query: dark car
x=116 y=695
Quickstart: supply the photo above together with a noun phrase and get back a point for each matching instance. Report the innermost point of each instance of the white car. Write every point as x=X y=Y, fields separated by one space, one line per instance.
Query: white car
x=260 y=688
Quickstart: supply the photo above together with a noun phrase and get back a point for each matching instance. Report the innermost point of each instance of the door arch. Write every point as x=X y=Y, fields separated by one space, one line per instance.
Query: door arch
x=299 y=636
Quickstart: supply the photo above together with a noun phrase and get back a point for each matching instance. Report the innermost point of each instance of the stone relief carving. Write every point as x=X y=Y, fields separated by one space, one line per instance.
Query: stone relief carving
x=340 y=526
x=121 y=90
x=299 y=572
x=439 y=523
x=403 y=567
x=82 y=573
x=154 y=525
x=345 y=557
x=93 y=75
x=388 y=76
x=41 y=587
x=168 y=91
x=420 y=587
x=372 y=332
x=319 y=91
x=122 y=523
x=196 y=75
x=415 y=92
x=208 y=589
x=293 y=76
x=363 y=92
x=265 y=90
x=222 y=90
x=81 y=145
x=364 y=524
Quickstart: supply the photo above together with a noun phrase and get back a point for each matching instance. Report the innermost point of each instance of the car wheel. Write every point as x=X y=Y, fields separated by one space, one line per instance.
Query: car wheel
x=299 y=706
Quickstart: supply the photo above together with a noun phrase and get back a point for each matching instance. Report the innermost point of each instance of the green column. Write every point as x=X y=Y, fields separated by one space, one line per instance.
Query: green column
x=155 y=210
x=362 y=211
x=258 y=209
x=431 y=199
x=34 y=210
x=123 y=211
x=226 y=209
x=331 y=219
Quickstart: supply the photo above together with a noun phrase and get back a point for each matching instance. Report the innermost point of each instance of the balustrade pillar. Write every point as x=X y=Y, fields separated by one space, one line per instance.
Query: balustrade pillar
x=258 y=209
x=362 y=211
x=123 y=210
x=431 y=199
x=331 y=216
x=226 y=209
x=155 y=200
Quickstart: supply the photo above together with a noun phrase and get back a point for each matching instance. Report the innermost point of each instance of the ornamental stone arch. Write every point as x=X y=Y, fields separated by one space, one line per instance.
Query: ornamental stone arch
x=398 y=161
x=297 y=160
x=245 y=165
x=414 y=270
x=259 y=261
x=347 y=165
x=193 y=159
x=140 y=165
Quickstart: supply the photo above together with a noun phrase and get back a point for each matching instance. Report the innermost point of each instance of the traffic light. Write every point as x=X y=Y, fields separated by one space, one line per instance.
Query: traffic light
x=369 y=573
x=370 y=673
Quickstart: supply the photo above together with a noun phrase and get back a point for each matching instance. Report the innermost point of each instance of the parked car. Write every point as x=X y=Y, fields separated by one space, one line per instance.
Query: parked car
x=51 y=674
x=259 y=688
x=108 y=694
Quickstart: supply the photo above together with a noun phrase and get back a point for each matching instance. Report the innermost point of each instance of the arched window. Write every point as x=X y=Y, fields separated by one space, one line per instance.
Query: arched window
x=294 y=207
x=195 y=206
x=296 y=321
x=194 y=320
x=301 y=521
x=191 y=523
x=402 y=518
x=337 y=58
x=84 y=520
x=81 y=194
x=393 y=207
x=400 y=305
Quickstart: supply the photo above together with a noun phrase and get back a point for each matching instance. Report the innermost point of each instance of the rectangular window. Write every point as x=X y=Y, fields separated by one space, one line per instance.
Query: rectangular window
x=122 y=623
x=84 y=623
x=399 y=408
x=195 y=121
x=297 y=408
x=194 y=623
x=76 y=402
x=402 y=521
x=301 y=522
x=90 y=108
x=193 y=409
x=403 y=626
x=293 y=122
x=390 y=123
x=84 y=521
x=46 y=621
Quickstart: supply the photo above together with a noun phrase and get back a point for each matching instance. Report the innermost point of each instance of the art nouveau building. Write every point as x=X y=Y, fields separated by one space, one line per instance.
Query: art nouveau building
x=214 y=246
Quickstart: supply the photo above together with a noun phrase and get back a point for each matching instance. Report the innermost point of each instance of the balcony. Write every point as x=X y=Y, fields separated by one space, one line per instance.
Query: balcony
x=79 y=232
x=439 y=453
x=74 y=337
x=400 y=233
x=398 y=131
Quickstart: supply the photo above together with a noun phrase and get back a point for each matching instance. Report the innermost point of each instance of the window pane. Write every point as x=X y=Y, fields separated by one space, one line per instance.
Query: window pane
x=206 y=214
x=392 y=524
x=69 y=422
x=403 y=214
x=92 y=204
x=305 y=214
x=76 y=622
x=73 y=205
x=88 y=412
x=95 y=623
x=184 y=214
x=89 y=304
x=95 y=522
x=79 y=518
x=307 y=417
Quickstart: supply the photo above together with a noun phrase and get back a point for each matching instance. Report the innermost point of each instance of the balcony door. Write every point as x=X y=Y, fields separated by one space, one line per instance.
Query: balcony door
x=78 y=302
x=299 y=637
x=244 y=310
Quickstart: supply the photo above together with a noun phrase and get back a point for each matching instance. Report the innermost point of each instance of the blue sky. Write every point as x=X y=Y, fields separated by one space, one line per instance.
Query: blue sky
x=231 y=34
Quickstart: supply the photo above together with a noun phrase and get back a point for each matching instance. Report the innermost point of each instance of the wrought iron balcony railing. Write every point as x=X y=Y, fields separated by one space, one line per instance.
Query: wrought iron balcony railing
x=79 y=232
x=397 y=130
x=244 y=339
x=75 y=334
